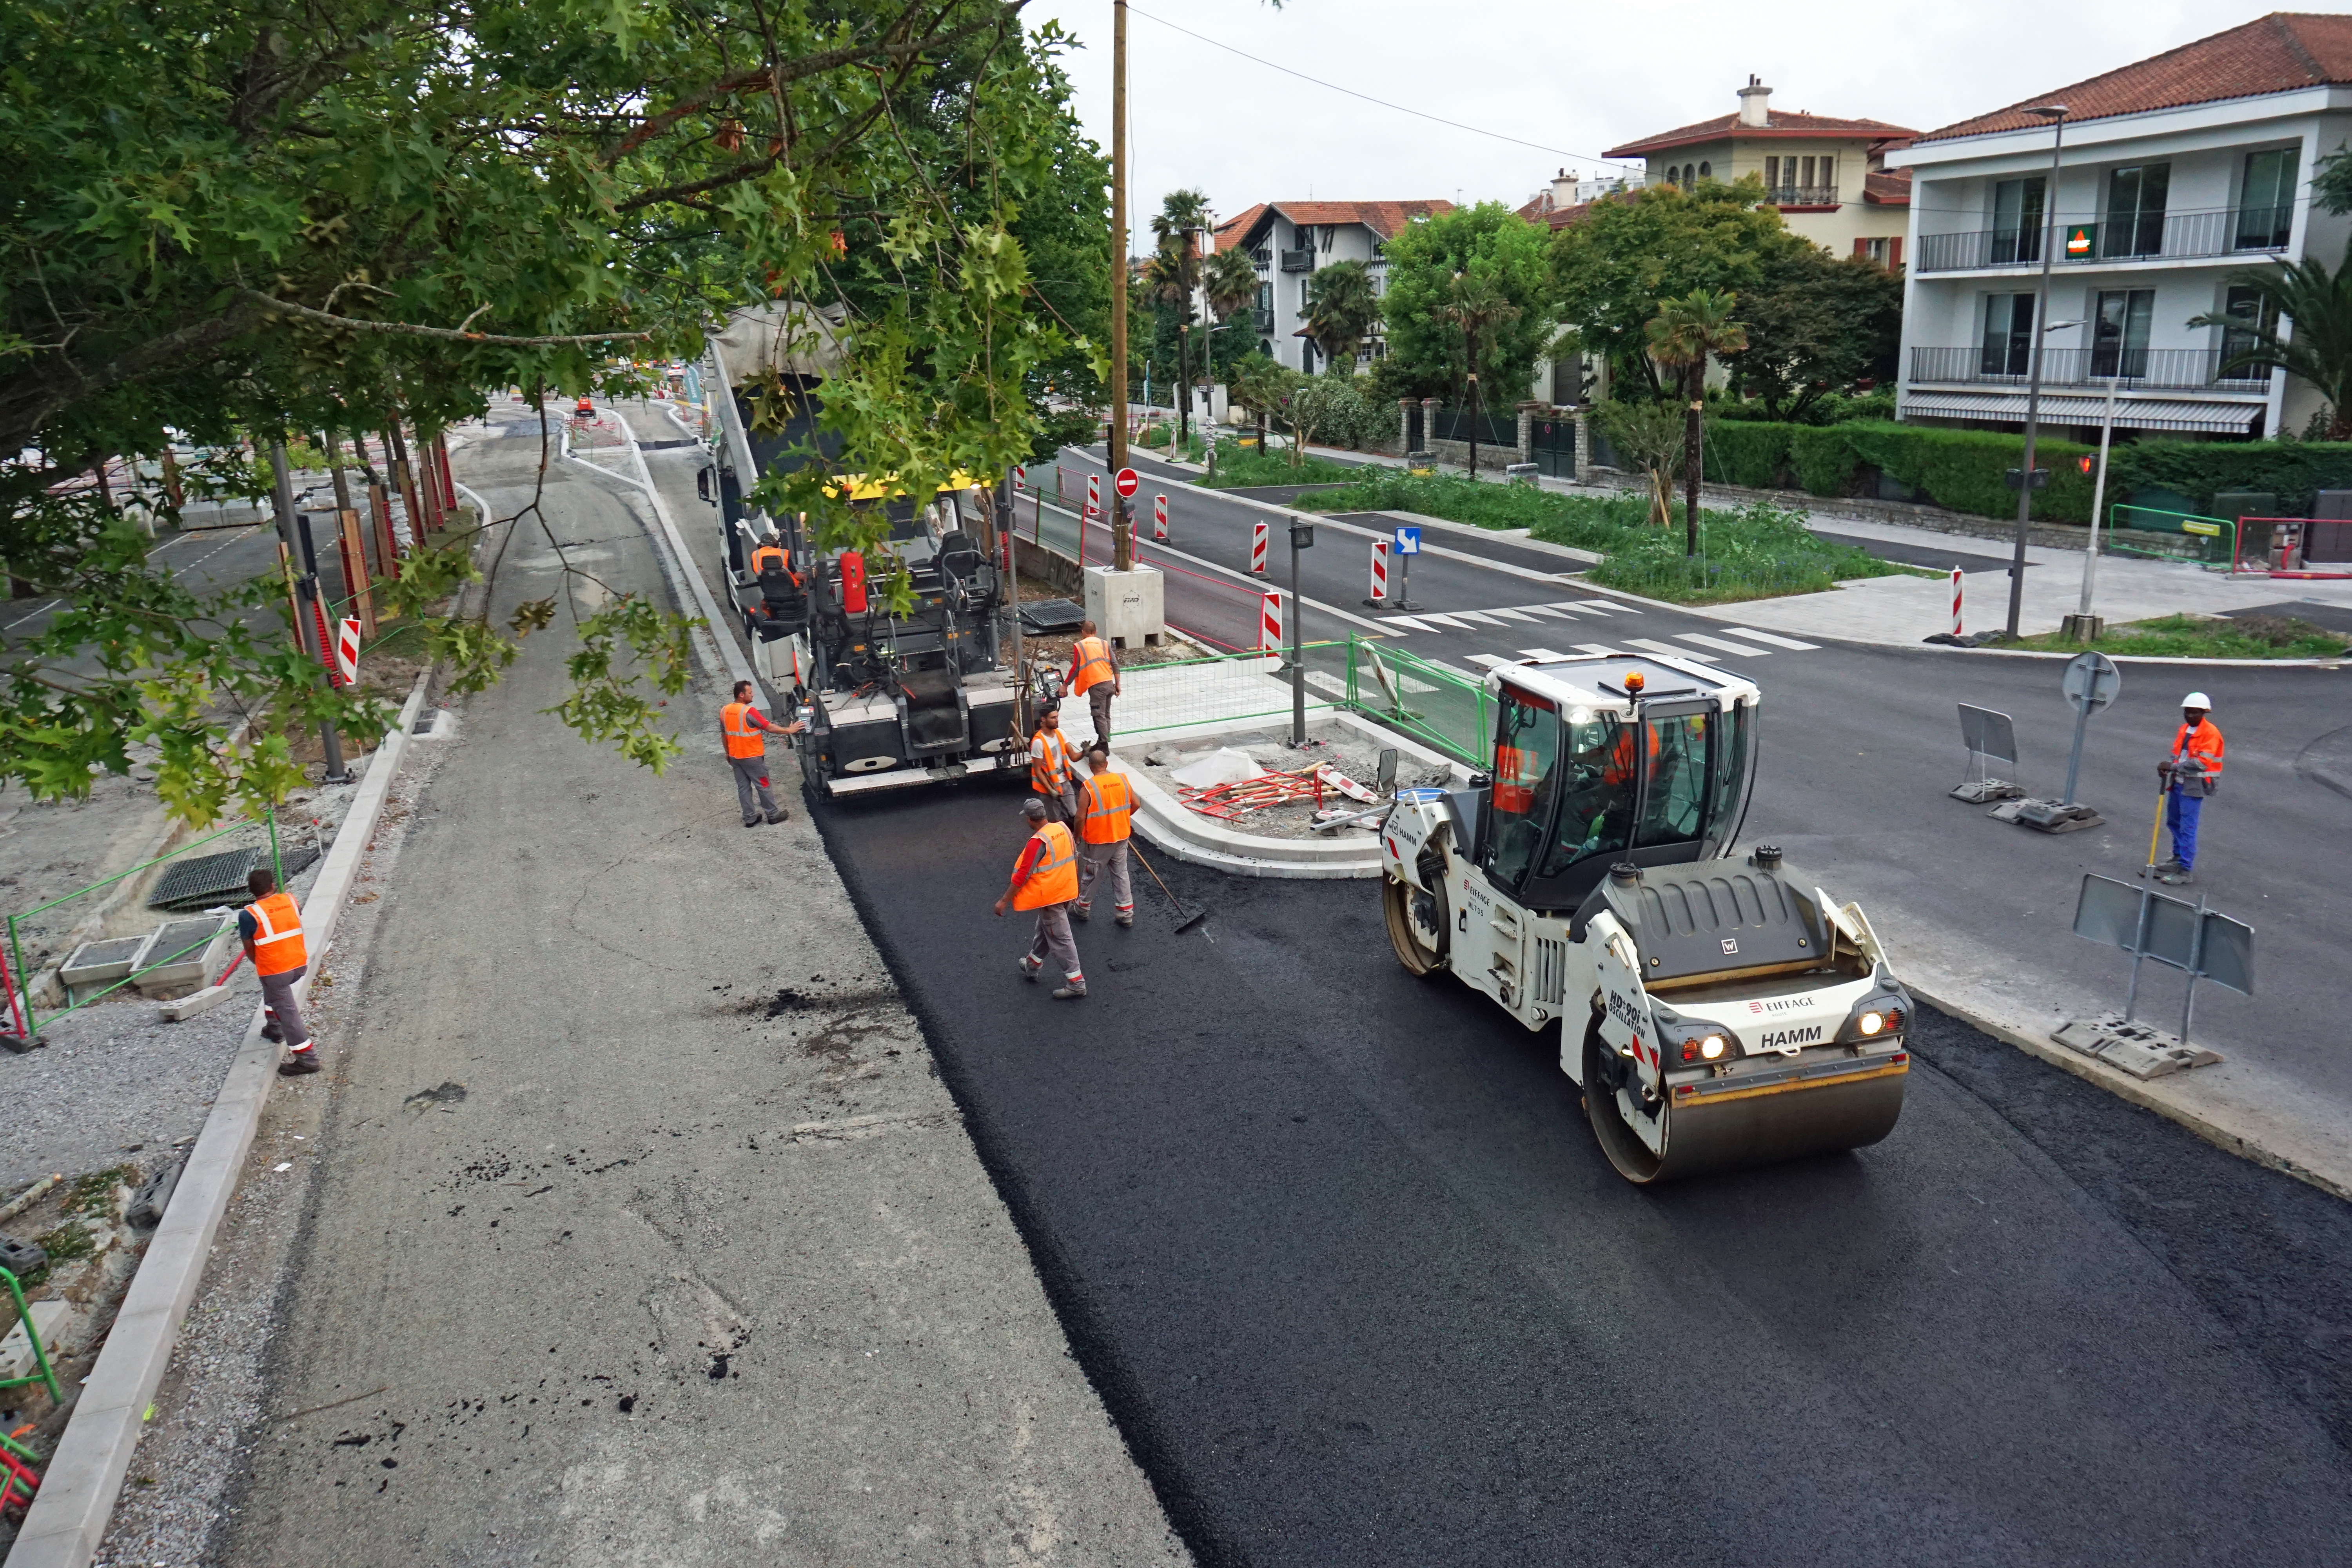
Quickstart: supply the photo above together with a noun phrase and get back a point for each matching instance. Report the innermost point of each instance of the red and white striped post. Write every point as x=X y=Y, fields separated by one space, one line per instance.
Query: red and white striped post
x=1257 y=548
x=1019 y=479
x=1380 y=573
x=1094 y=497
x=1160 y=519
x=1956 y=600
x=1269 y=621
x=347 y=649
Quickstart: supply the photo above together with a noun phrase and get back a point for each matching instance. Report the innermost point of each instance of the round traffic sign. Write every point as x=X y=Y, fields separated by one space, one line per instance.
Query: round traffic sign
x=2091 y=679
x=1126 y=481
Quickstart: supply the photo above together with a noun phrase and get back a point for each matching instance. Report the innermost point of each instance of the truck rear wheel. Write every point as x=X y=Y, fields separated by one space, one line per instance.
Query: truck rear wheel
x=1417 y=925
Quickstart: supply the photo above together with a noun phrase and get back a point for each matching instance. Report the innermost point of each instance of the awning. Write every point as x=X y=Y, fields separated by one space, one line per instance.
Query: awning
x=2131 y=413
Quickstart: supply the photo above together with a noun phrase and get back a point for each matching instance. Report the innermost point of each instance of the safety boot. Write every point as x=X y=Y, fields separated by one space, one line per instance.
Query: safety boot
x=301 y=1062
x=1075 y=993
x=1030 y=965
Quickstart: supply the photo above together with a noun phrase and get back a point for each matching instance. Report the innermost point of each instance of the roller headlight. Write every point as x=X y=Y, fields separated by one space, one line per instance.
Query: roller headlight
x=1713 y=1047
x=1872 y=1022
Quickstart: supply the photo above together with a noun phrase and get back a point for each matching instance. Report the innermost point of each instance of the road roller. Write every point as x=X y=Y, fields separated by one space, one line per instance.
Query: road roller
x=1716 y=1008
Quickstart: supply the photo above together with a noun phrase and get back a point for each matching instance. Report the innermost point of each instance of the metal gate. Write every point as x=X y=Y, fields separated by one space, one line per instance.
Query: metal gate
x=1551 y=447
x=1415 y=437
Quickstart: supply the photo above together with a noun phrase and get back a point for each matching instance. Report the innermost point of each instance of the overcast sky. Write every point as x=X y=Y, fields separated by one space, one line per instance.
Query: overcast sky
x=1580 y=80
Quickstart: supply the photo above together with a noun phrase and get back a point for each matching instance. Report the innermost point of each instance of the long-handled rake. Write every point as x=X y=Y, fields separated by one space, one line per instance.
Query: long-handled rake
x=1188 y=921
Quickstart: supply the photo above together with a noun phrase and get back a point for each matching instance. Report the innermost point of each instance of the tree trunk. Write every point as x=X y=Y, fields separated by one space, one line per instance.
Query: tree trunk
x=1183 y=393
x=1693 y=379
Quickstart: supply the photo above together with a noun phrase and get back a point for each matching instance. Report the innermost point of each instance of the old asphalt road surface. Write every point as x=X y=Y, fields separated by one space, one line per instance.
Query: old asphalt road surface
x=647 y=1232
x=1359 y=1289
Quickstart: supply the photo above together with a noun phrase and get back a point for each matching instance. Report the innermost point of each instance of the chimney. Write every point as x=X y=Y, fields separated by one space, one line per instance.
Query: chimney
x=1756 y=103
x=1563 y=190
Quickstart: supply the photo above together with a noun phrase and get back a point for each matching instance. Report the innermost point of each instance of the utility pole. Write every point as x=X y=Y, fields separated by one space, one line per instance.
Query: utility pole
x=2057 y=113
x=307 y=586
x=1122 y=528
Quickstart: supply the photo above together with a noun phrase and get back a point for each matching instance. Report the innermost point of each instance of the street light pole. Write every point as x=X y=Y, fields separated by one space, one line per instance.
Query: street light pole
x=1302 y=537
x=1122 y=531
x=2085 y=627
x=2056 y=114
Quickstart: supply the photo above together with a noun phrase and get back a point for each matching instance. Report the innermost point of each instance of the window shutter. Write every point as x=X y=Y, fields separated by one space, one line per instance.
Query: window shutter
x=1860 y=246
x=1894 y=253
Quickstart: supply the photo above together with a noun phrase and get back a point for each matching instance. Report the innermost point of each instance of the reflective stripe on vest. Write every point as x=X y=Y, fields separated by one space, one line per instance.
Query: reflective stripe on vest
x=1049 y=762
x=2204 y=743
x=1095 y=667
x=1054 y=878
x=278 y=936
x=1103 y=809
x=742 y=740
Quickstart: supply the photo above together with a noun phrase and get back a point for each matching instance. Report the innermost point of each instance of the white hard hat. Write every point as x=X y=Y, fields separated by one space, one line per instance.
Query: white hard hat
x=2197 y=700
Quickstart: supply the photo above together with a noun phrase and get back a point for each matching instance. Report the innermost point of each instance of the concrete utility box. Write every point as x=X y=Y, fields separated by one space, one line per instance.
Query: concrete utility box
x=202 y=945
x=95 y=965
x=1129 y=607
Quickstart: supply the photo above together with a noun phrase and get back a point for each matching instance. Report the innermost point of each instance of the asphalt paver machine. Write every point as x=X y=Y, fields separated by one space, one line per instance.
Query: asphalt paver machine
x=1716 y=1011
x=893 y=700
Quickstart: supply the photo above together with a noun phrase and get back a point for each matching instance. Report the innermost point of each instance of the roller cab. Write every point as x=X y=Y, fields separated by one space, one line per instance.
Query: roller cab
x=1717 y=1010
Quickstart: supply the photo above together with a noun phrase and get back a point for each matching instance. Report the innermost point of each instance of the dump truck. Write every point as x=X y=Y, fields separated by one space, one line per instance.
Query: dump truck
x=1717 y=1010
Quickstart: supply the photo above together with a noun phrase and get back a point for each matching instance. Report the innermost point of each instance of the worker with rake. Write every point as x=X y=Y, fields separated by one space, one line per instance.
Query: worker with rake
x=1105 y=807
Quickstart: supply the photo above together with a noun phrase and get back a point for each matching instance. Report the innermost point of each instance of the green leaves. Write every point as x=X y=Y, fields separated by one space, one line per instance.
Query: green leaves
x=1500 y=258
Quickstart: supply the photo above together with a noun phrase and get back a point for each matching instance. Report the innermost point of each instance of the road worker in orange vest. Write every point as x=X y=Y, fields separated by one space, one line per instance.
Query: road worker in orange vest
x=2190 y=774
x=1052 y=764
x=1094 y=675
x=1105 y=807
x=271 y=929
x=1046 y=878
x=745 y=730
x=768 y=555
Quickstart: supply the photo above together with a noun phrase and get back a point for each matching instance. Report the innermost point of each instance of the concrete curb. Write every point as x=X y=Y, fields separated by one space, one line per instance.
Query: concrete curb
x=68 y=1517
x=2125 y=1087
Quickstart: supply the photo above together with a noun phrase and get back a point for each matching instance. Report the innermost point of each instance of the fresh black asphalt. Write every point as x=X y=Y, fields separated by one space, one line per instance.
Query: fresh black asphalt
x=1337 y=1247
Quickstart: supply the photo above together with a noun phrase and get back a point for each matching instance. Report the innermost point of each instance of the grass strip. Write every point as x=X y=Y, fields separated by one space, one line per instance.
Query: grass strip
x=1760 y=551
x=2199 y=636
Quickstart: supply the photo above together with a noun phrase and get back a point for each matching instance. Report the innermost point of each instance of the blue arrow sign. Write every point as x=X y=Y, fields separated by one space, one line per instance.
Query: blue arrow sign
x=1407 y=542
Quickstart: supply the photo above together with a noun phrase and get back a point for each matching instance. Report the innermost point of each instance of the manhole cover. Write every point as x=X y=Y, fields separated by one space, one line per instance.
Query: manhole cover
x=209 y=880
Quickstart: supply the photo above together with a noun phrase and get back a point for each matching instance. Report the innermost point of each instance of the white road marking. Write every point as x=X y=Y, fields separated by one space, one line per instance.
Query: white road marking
x=1604 y=649
x=1647 y=646
x=1513 y=615
x=1792 y=643
x=1738 y=650
x=1544 y=654
x=38 y=609
x=1445 y=621
x=1611 y=605
x=1549 y=612
x=1491 y=660
x=1407 y=622
x=1482 y=619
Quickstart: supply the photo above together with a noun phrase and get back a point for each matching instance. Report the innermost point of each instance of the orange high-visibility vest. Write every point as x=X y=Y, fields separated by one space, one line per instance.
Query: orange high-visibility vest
x=1054 y=879
x=1092 y=656
x=1104 y=804
x=762 y=556
x=278 y=936
x=1049 y=762
x=2204 y=743
x=742 y=740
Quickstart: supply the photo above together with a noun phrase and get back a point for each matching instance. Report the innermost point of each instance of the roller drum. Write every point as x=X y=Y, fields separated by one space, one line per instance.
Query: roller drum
x=1738 y=1128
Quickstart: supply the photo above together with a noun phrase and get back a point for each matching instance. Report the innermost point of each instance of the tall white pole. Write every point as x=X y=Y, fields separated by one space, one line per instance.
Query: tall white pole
x=2098 y=500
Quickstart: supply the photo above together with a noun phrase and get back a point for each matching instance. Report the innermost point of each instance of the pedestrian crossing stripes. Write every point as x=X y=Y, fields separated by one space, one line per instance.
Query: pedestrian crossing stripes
x=1740 y=651
x=1649 y=644
x=1774 y=638
x=1704 y=647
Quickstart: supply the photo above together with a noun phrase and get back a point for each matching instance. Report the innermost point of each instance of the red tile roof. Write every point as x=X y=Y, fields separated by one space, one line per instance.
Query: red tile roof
x=2278 y=53
x=1778 y=122
x=1386 y=219
x=1881 y=189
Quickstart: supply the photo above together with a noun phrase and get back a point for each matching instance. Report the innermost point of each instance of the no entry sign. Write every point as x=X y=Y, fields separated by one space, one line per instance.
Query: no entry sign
x=1126 y=482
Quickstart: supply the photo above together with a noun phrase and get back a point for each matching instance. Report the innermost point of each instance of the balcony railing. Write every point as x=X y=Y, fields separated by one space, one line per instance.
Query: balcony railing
x=2009 y=364
x=2223 y=231
x=1263 y=320
x=1803 y=196
x=1298 y=261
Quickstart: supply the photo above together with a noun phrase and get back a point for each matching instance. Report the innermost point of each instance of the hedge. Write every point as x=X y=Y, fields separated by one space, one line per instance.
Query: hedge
x=2294 y=471
x=1962 y=469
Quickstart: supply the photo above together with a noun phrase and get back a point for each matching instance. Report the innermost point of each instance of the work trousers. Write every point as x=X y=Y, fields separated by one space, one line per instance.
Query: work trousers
x=1098 y=704
x=2180 y=814
x=1097 y=860
x=1057 y=802
x=751 y=787
x=1054 y=943
x=278 y=995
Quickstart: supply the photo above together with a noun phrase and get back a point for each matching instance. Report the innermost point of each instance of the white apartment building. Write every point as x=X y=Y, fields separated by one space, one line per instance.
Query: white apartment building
x=1291 y=241
x=2176 y=173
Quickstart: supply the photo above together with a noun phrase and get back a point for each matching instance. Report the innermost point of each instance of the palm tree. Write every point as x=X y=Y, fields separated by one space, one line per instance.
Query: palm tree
x=1341 y=309
x=1181 y=215
x=2301 y=298
x=1477 y=304
x=1229 y=279
x=1681 y=336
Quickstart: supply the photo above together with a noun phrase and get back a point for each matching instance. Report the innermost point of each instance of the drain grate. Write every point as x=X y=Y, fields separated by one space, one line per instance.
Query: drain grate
x=211 y=879
x=425 y=722
x=1050 y=617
